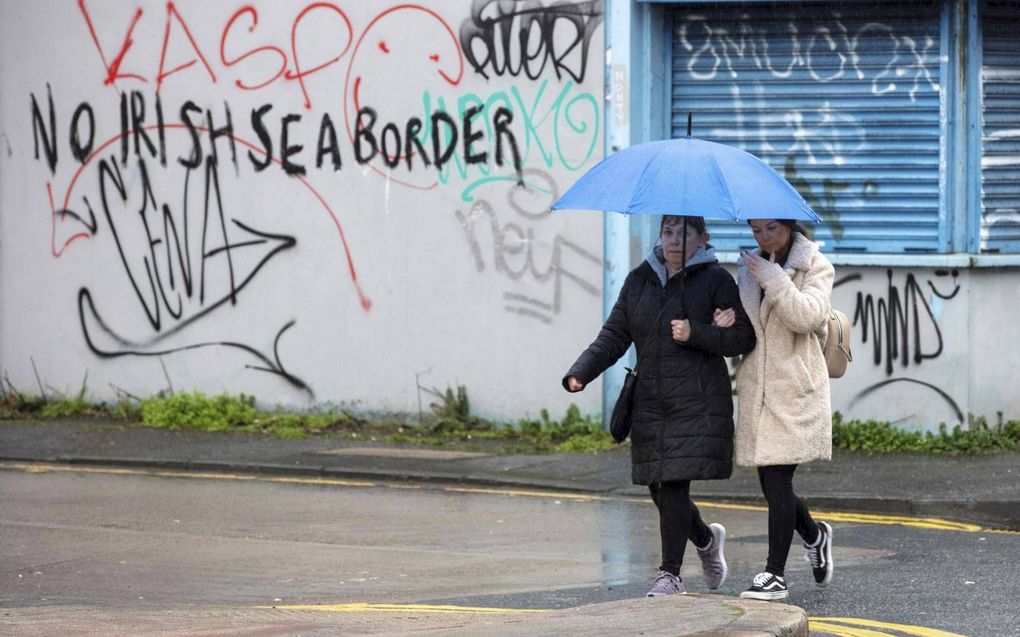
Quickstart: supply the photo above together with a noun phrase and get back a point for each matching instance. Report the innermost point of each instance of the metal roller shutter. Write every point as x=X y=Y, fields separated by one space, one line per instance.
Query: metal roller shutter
x=843 y=100
x=1000 y=135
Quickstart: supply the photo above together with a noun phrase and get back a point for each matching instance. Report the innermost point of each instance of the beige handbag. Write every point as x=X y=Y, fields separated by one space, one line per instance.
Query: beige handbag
x=836 y=347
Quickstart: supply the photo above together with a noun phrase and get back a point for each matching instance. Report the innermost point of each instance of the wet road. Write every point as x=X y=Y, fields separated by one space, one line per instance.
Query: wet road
x=84 y=549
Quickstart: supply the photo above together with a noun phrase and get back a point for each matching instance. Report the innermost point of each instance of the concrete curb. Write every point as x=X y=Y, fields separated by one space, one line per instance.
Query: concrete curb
x=673 y=616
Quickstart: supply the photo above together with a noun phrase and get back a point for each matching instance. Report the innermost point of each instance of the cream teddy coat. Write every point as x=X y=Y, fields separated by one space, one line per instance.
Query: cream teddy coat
x=784 y=412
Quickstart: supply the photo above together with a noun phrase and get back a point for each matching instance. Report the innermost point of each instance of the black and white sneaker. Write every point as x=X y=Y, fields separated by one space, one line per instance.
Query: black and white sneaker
x=767 y=586
x=820 y=555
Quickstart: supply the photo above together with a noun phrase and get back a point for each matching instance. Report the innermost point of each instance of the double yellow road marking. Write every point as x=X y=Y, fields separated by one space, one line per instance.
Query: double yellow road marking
x=854 y=627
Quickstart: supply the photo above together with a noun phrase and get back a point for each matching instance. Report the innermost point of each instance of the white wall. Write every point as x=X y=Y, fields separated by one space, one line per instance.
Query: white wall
x=383 y=275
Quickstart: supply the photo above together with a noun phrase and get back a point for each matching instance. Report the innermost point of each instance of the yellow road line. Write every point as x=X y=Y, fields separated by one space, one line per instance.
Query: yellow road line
x=559 y=495
x=923 y=523
x=1001 y=531
x=418 y=608
x=198 y=475
x=854 y=518
x=865 y=518
x=834 y=516
x=842 y=631
x=835 y=626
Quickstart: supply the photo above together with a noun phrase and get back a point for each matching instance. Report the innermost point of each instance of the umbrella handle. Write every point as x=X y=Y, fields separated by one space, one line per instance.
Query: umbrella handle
x=681 y=313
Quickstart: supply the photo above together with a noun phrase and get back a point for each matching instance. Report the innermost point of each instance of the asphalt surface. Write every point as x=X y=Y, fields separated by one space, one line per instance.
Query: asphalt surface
x=111 y=551
x=981 y=490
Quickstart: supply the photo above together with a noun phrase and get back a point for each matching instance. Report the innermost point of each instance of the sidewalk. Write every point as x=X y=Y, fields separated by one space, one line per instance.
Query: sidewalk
x=982 y=490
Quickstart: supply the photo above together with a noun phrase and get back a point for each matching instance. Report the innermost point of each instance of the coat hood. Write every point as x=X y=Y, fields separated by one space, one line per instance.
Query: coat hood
x=705 y=254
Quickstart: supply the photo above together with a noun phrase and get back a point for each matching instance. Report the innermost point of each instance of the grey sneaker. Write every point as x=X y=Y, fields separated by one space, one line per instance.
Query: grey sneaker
x=666 y=584
x=820 y=556
x=713 y=561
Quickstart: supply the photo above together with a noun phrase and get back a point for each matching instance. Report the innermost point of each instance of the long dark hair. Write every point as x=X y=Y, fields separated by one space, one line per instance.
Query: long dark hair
x=789 y=223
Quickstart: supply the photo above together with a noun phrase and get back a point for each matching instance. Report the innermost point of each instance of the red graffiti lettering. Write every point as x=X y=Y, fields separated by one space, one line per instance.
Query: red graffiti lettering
x=300 y=75
x=254 y=16
x=113 y=68
x=393 y=20
x=171 y=11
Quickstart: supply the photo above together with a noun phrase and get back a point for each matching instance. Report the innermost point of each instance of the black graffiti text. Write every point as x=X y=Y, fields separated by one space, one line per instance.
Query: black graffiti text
x=181 y=266
x=523 y=36
x=894 y=323
x=394 y=143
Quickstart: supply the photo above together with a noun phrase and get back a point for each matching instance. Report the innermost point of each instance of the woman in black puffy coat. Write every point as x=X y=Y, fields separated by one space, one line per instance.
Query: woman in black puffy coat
x=682 y=419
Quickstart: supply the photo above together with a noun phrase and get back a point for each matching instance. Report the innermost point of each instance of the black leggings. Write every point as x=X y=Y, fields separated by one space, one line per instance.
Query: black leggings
x=786 y=513
x=679 y=520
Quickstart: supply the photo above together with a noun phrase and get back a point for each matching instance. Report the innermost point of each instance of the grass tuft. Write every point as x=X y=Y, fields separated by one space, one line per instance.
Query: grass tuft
x=452 y=425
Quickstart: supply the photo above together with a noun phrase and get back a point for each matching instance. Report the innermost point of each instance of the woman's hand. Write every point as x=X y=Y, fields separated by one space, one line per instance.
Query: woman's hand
x=573 y=384
x=681 y=330
x=759 y=267
x=724 y=318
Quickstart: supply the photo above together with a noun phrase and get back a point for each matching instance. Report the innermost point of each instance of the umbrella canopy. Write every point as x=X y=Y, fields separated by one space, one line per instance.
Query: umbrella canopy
x=690 y=177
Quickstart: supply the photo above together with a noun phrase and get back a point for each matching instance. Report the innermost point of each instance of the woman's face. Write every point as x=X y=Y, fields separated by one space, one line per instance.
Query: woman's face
x=771 y=235
x=672 y=237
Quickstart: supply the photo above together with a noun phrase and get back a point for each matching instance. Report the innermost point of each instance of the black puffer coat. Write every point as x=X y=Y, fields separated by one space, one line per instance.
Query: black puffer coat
x=682 y=425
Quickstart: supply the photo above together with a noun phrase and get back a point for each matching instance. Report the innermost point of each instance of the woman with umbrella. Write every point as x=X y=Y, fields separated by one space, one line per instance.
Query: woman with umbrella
x=682 y=419
x=784 y=416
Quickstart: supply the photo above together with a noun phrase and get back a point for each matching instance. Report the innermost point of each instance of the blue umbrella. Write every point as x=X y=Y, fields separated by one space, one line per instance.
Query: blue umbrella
x=687 y=176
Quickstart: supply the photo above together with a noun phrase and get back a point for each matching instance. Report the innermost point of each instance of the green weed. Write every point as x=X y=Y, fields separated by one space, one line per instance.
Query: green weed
x=451 y=424
x=194 y=410
x=882 y=437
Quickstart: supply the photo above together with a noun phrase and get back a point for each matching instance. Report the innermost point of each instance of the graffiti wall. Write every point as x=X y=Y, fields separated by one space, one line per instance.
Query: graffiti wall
x=930 y=345
x=309 y=202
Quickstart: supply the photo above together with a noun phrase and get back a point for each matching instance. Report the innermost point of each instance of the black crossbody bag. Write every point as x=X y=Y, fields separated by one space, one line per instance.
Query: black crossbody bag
x=619 y=423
